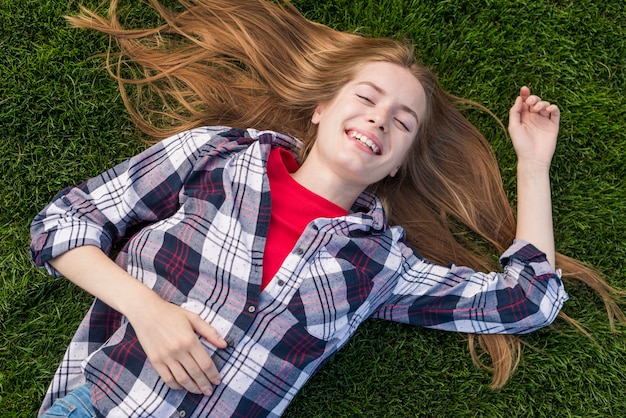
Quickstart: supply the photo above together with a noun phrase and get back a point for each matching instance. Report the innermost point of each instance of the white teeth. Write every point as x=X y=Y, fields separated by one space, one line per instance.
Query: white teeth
x=366 y=141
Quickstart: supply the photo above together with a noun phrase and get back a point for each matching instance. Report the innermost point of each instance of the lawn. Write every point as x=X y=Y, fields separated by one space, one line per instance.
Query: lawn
x=62 y=121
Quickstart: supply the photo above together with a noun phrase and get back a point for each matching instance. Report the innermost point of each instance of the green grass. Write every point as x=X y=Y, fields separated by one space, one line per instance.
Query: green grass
x=61 y=121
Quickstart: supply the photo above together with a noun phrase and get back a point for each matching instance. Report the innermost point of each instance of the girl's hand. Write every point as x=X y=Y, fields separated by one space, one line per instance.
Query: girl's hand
x=167 y=334
x=534 y=127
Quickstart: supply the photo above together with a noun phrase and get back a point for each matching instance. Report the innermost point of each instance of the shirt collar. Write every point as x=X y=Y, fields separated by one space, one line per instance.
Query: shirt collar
x=369 y=206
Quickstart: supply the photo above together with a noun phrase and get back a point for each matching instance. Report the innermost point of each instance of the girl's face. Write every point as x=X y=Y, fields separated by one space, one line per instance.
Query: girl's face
x=365 y=132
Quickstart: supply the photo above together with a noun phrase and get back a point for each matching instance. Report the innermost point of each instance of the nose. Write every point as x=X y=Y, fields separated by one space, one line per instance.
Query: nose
x=379 y=117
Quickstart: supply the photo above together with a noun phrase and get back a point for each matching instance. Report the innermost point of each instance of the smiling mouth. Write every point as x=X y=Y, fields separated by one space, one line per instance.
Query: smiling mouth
x=365 y=141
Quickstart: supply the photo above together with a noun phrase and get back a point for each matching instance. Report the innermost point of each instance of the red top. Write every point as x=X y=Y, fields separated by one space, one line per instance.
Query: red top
x=293 y=208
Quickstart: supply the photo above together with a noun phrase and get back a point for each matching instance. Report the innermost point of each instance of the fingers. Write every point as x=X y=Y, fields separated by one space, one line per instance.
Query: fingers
x=178 y=355
x=524 y=93
x=545 y=109
x=206 y=330
x=191 y=369
x=195 y=370
x=534 y=104
x=517 y=106
x=195 y=374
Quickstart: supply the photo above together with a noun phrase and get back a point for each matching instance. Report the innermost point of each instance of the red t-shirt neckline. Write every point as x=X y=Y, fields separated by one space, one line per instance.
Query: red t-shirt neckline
x=293 y=208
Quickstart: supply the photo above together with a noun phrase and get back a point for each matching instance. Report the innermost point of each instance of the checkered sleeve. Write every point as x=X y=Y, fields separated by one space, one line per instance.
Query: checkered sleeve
x=144 y=188
x=526 y=296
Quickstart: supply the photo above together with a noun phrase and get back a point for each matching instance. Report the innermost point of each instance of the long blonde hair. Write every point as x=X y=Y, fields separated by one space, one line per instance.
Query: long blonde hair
x=252 y=63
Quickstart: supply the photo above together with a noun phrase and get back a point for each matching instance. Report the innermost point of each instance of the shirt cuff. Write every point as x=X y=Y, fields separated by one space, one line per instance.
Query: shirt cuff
x=54 y=243
x=527 y=253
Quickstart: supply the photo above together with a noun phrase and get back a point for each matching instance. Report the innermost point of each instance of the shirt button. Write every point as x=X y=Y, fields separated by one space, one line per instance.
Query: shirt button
x=230 y=342
x=182 y=414
x=280 y=282
x=251 y=309
x=300 y=251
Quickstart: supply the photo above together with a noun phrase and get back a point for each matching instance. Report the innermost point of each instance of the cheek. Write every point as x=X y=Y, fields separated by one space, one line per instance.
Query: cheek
x=405 y=150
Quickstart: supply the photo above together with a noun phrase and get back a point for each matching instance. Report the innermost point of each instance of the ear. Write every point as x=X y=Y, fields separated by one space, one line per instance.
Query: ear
x=317 y=114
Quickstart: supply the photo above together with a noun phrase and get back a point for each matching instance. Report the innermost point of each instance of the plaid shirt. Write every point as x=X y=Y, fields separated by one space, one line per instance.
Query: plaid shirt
x=201 y=203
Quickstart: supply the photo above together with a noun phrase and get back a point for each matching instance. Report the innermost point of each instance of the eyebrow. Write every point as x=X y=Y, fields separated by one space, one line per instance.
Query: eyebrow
x=383 y=92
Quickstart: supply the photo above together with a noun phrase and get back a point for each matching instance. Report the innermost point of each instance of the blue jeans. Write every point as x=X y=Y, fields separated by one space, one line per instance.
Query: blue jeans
x=76 y=404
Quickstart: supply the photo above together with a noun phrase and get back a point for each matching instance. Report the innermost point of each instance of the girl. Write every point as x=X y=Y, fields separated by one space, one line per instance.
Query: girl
x=258 y=254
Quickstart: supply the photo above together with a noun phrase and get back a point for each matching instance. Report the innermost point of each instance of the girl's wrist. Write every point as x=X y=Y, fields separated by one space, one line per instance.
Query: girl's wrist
x=533 y=168
x=138 y=301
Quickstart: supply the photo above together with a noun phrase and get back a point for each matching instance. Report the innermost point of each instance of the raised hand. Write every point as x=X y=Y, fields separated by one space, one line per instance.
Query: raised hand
x=534 y=127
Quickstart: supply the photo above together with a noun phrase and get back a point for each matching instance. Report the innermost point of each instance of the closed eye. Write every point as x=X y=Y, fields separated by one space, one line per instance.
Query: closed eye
x=404 y=125
x=365 y=99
